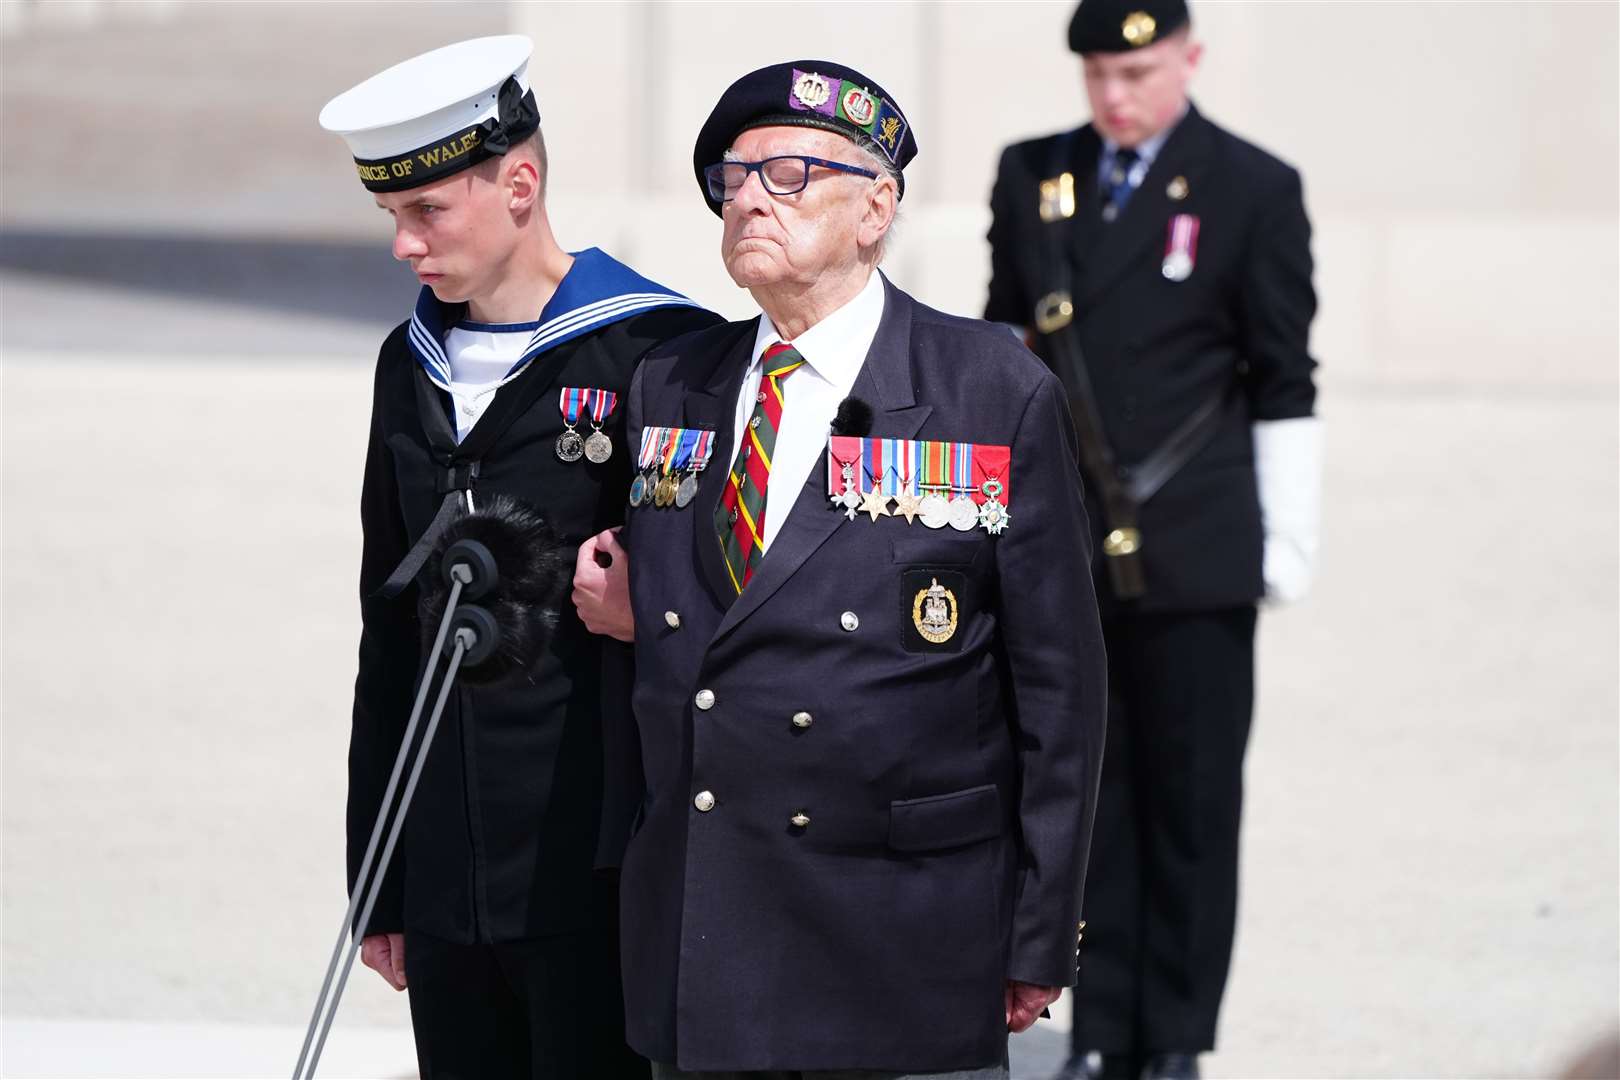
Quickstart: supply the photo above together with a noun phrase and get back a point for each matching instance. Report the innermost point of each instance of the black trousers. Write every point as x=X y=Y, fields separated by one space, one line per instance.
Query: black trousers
x=1161 y=887
x=548 y=1008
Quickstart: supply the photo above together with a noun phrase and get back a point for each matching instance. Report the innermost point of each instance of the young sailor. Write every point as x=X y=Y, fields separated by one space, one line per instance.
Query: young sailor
x=498 y=913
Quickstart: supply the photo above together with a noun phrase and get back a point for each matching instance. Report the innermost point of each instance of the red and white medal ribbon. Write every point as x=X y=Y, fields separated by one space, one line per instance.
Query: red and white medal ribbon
x=651 y=439
x=1181 y=247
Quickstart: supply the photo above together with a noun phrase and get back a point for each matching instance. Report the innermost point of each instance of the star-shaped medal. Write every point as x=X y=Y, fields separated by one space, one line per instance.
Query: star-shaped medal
x=907 y=505
x=875 y=503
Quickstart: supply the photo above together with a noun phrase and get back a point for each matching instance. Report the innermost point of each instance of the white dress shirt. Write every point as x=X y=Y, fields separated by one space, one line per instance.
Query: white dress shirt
x=834 y=350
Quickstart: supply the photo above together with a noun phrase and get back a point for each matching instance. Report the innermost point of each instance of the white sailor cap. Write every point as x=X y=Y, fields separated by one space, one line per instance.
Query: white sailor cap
x=437 y=113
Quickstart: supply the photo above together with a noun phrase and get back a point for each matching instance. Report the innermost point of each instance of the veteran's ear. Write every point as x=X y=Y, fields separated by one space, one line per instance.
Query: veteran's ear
x=882 y=203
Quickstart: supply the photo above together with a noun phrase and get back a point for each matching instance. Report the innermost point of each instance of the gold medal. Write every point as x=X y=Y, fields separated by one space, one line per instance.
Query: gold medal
x=908 y=506
x=875 y=503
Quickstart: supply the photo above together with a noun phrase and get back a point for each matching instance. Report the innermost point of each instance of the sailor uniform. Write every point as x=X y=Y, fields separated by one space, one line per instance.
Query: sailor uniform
x=1180 y=324
x=512 y=814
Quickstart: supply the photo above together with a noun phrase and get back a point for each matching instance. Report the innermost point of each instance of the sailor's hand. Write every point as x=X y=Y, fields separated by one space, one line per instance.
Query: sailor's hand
x=1025 y=1002
x=385 y=954
x=602 y=587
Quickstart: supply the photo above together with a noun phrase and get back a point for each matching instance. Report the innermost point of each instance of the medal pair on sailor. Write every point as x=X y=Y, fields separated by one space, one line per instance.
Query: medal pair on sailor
x=962 y=485
x=595 y=447
x=669 y=465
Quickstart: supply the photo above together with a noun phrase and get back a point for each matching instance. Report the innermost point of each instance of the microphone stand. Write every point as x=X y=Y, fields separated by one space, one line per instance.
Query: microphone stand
x=469 y=568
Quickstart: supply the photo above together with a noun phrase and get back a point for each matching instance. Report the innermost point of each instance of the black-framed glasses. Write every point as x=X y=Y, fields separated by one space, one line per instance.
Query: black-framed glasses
x=784 y=175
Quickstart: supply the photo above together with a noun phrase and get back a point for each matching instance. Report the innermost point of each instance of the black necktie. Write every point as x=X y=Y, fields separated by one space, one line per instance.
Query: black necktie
x=1116 y=185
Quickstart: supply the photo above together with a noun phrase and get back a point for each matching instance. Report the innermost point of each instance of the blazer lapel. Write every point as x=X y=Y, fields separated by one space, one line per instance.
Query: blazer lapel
x=885 y=381
x=1146 y=215
x=1085 y=227
x=713 y=406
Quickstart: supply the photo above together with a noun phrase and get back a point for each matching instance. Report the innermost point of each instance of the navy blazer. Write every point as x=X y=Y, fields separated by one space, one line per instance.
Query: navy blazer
x=949 y=788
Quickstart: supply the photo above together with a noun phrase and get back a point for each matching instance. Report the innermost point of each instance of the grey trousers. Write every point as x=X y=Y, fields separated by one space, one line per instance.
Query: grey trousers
x=670 y=1072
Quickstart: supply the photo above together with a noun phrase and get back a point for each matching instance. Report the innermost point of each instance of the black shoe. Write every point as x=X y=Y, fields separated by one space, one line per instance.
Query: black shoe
x=1171 y=1067
x=1096 y=1065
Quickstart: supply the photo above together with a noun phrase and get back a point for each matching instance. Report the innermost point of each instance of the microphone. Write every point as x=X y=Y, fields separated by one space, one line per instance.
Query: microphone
x=516 y=566
x=854 y=417
x=506 y=557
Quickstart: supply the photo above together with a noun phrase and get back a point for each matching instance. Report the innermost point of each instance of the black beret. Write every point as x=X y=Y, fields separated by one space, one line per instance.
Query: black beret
x=806 y=93
x=1113 y=26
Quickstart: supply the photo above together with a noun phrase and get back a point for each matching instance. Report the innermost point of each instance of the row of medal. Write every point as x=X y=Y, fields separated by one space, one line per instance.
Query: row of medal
x=577 y=401
x=962 y=485
x=668 y=466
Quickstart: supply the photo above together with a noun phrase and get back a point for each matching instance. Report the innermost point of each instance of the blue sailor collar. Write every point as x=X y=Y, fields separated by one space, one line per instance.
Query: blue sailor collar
x=597 y=290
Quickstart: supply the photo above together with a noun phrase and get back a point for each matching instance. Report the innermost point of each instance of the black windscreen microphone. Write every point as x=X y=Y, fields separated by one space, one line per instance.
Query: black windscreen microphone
x=854 y=417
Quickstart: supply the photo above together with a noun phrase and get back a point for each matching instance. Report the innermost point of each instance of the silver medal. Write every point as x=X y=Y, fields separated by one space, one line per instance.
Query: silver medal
x=570 y=447
x=638 y=489
x=849 y=499
x=598 y=448
x=687 y=491
x=935 y=511
x=1178 y=266
x=964 y=513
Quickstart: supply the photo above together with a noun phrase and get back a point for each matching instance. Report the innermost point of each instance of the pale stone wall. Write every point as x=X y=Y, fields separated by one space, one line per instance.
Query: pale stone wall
x=1459 y=160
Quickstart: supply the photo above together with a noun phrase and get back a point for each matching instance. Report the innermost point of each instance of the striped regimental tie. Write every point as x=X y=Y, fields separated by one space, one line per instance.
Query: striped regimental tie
x=740 y=517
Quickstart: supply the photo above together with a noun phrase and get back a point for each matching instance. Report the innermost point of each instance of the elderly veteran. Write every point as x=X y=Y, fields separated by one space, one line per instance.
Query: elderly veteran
x=498 y=912
x=869 y=671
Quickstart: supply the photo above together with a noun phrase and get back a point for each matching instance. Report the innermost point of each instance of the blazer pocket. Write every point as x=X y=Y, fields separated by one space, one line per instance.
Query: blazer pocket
x=945 y=821
x=953 y=550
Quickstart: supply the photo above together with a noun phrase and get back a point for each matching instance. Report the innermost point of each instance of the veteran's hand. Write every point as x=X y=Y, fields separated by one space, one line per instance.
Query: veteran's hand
x=385 y=954
x=1025 y=1002
x=602 y=587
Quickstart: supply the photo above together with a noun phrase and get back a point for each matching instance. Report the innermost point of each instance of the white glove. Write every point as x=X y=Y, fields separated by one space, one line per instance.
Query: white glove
x=1288 y=462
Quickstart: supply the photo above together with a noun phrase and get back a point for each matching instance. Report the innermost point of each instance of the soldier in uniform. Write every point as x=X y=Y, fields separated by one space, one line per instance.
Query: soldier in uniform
x=1162 y=269
x=869 y=674
x=499 y=909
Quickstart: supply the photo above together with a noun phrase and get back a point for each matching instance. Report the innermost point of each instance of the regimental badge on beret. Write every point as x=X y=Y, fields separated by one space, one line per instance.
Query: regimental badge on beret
x=1118 y=26
x=858 y=107
x=1138 y=29
x=811 y=90
x=889 y=129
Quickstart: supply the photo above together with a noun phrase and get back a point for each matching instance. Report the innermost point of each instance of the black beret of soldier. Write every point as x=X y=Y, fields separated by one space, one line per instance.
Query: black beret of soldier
x=805 y=93
x=1115 y=26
